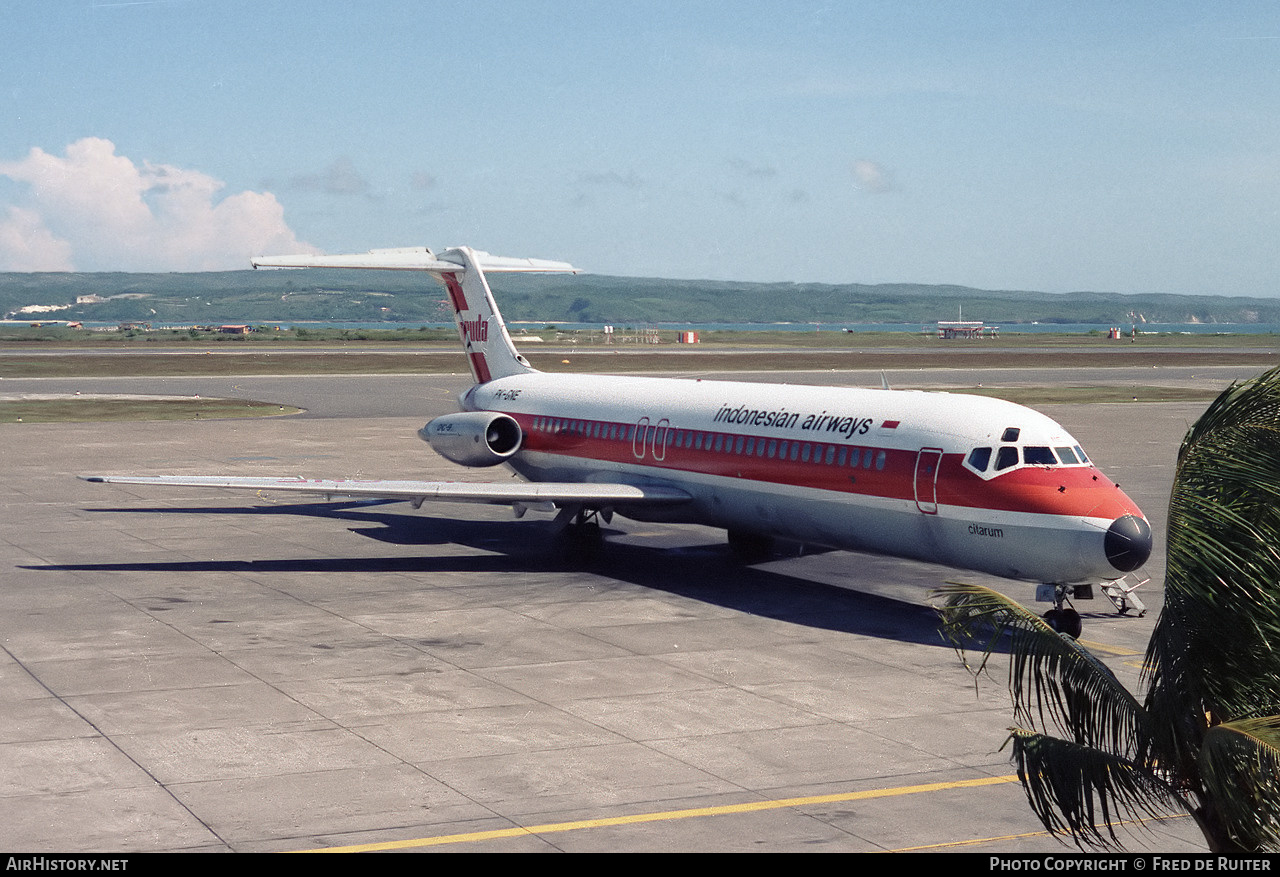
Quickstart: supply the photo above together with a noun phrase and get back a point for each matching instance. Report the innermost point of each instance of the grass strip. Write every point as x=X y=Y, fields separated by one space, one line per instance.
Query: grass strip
x=88 y=409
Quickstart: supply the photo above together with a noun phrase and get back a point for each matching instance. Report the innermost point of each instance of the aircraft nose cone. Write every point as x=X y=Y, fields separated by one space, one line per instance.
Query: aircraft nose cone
x=1128 y=543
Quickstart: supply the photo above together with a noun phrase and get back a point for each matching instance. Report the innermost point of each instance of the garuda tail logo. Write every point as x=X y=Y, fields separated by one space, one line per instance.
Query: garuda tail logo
x=476 y=330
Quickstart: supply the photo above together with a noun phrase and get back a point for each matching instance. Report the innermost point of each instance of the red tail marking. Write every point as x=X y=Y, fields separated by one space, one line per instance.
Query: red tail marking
x=455 y=292
x=480 y=368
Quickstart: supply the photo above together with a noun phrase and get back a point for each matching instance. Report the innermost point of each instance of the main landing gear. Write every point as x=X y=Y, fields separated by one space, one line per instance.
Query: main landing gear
x=581 y=524
x=1064 y=618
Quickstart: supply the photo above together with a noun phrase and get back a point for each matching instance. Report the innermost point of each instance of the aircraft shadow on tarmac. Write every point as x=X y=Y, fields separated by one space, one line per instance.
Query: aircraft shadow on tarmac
x=707 y=573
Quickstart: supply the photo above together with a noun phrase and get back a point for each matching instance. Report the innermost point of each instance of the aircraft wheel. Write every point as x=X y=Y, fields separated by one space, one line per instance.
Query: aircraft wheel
x=586 y=532
x=1065 y=621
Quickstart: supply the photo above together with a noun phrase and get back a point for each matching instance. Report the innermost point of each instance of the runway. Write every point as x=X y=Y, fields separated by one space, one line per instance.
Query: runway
x=204 y=671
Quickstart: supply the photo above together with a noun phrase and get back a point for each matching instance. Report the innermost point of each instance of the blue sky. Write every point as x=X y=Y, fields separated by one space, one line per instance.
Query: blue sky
x=1127 y=147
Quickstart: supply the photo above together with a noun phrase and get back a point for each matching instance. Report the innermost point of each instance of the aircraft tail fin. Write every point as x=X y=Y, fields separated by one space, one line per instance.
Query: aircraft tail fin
x=462 y=271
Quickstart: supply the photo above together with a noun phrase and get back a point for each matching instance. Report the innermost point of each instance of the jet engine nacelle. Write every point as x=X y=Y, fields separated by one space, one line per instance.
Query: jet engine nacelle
x=473 y=438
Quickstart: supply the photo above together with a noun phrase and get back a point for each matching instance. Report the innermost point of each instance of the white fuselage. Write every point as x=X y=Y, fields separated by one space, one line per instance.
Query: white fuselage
x=893 y=472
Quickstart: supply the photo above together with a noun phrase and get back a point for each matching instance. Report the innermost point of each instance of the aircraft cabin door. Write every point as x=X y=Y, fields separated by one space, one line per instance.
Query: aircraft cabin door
x=640 y=438
x=659 y=446
x=926 y=479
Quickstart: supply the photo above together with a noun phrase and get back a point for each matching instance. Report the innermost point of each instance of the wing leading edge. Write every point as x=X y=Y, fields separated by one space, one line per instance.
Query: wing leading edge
x=439 y=491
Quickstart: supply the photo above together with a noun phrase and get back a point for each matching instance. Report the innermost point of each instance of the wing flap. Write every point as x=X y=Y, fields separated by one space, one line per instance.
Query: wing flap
x=560 y=493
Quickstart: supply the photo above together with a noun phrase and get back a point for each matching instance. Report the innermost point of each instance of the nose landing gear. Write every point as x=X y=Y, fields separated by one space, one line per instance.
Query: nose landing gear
x=1065 y=619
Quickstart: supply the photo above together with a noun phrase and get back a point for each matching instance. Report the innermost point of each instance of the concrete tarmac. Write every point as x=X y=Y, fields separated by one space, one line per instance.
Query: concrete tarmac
x=209 y=671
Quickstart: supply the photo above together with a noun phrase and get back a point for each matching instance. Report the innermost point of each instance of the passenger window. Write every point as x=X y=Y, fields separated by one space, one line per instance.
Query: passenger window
x=1005 y=457
x=737 y=444
x=1066 y=455
x=867 y=454
x=979 y=458
x=831 y=454
x=880 y=460
x=1034 y=455
x=844 y=455
x=804 y=453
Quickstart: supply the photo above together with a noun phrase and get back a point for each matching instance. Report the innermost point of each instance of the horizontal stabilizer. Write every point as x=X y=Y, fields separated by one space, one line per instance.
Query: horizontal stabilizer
x=412 y=259
x=439 y=491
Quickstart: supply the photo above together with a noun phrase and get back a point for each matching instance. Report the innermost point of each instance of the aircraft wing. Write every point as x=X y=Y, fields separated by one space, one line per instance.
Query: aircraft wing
x=560 y=493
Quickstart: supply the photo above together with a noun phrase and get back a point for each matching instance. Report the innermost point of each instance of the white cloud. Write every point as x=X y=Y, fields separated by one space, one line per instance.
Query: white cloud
x=26 y=245
x=93 y=210
x=871 y=177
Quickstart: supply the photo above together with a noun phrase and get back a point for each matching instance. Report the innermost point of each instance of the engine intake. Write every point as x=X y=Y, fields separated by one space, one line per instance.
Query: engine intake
x=473 y=438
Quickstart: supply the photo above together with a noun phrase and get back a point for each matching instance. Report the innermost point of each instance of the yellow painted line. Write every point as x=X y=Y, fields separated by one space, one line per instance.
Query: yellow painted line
x=972 y=842
x=1009 y=837
x=1108 y=650
x=728 y=809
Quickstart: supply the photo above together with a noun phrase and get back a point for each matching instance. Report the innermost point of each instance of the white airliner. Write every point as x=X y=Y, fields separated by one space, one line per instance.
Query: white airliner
x=966 y=481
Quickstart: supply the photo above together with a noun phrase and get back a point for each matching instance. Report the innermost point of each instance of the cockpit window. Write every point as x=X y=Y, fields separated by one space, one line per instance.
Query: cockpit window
x=1010 y=456
x=1035 y=455
x=1005 y=457
x=1011 y=434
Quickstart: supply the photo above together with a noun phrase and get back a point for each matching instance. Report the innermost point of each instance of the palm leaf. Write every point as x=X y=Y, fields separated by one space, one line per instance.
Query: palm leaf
x=1213 y=656
x=1080 y=791
x=1054 y=681
x=1212 y=668
x=1240 y=766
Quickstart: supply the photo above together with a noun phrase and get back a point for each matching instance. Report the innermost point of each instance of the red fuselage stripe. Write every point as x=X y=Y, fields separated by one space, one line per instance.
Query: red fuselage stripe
x=879 y=472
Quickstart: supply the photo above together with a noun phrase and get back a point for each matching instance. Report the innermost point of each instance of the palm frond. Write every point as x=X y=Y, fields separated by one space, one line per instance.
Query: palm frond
x=1054 y=681
x=1213 y=663
x=1215 y=650
x=1081 y=792
x=1240 y=765
x=1224 y=513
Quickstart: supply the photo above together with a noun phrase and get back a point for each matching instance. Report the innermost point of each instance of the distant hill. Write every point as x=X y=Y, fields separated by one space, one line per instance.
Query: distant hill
x=331 y=295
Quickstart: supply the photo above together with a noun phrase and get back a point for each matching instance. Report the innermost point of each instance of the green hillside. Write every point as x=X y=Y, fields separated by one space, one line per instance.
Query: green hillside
x=332 y=295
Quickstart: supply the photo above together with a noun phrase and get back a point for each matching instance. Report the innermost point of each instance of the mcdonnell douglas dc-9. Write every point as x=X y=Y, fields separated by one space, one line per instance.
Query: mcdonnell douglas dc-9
x=966 y=481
